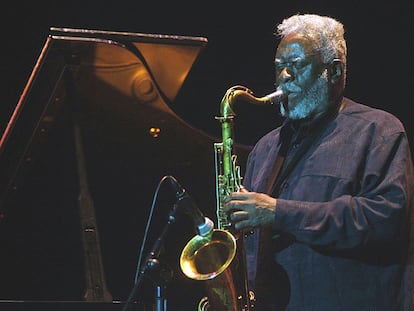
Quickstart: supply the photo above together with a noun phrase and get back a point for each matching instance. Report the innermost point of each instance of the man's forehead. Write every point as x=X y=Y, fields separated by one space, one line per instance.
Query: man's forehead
x=295 y=45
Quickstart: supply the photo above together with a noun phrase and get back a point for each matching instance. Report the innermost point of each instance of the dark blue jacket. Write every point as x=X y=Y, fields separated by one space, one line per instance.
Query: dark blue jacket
x=341 y=234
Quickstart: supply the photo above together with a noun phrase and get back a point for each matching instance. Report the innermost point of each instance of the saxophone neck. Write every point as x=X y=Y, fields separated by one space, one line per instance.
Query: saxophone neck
x=226 y=106
x=241 y=92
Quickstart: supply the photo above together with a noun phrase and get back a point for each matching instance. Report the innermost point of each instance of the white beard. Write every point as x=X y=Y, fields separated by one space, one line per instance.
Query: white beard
x=315 y=100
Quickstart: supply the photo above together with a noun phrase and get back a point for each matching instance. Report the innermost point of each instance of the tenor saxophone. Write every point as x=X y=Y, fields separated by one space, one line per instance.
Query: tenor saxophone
x=220 y=259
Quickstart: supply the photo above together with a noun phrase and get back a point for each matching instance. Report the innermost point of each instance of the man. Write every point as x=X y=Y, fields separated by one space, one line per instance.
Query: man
x=338 y=214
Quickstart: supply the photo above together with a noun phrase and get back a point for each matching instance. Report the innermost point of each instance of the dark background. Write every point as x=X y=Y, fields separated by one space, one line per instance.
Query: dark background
x=240 y=50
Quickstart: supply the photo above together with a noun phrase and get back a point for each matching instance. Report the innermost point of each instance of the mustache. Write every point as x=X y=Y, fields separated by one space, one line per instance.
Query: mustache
x=289 y=88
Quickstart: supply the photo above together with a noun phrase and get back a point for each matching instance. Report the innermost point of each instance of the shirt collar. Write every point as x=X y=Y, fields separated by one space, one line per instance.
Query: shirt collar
x=302 y=128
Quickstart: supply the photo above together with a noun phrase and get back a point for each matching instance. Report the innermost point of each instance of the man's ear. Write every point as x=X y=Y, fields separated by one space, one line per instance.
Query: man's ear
x=336 y=70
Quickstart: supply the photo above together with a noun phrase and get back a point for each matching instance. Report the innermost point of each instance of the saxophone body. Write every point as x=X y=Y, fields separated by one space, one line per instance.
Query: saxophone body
x=220 y=259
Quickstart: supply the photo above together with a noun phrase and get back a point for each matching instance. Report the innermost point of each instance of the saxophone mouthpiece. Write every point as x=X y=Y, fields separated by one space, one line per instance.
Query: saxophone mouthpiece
x=275 y=97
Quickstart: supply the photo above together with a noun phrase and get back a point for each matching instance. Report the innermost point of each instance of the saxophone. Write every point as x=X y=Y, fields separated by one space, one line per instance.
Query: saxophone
x=219 y=259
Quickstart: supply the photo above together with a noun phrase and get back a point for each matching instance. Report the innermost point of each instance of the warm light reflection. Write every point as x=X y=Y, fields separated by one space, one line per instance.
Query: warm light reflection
x=154 y=131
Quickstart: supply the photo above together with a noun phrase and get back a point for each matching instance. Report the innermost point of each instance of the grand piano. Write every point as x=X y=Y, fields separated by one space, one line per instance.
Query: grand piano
x=81 y=160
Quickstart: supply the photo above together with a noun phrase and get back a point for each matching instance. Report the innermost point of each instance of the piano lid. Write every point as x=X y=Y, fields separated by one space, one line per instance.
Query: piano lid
x=124 y=75
x=117 y=88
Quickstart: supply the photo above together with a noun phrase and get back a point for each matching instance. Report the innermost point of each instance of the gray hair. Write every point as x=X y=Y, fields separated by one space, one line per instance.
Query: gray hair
x=326 y=32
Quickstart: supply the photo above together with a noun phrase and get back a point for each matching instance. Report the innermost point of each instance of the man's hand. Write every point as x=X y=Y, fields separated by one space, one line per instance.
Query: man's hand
x=250 y=209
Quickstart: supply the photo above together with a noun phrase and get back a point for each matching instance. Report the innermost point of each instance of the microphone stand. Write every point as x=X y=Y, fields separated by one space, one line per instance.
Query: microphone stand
x=154 y=270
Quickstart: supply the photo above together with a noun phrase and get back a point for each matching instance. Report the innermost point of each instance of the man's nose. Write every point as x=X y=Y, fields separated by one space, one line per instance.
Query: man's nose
x=285 y=76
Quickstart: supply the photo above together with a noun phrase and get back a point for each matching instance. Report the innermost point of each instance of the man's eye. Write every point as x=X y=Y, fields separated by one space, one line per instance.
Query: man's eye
x=299 y=64
x=279 y=67
x=295 y=64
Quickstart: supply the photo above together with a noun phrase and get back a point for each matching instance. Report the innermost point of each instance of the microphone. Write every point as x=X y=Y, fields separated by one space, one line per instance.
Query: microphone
x=275 y=97
x=204 y=225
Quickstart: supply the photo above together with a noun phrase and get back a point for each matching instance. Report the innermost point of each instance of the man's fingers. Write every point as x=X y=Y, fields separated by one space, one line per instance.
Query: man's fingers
x=241 y=196
x=238 y=216
x=244 y=190
x=232 y=206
